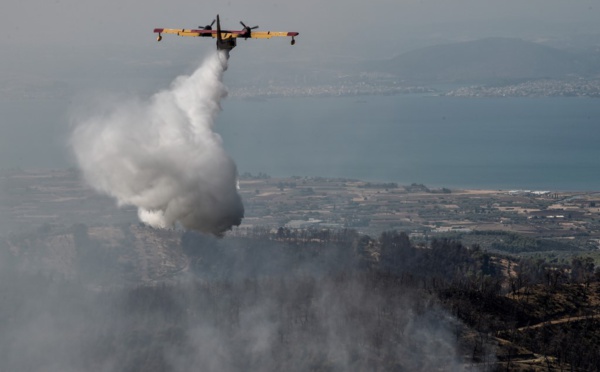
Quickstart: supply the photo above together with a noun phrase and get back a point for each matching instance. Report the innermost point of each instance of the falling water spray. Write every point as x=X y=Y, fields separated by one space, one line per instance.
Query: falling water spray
x=163 y=156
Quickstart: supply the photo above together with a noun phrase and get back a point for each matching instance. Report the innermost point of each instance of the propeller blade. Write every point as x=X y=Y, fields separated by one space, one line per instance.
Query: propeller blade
x=243 y=25
x=208 y=27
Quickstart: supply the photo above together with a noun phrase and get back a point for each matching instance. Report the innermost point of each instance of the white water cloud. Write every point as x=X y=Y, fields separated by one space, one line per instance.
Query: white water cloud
x=163 y=155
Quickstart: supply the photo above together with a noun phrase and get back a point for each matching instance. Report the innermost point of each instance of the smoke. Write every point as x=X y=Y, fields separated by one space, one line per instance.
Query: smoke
x=240 y=304
x=162 y=155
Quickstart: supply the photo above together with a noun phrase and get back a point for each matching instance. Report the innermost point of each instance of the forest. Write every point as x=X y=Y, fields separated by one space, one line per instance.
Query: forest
x=317 y=300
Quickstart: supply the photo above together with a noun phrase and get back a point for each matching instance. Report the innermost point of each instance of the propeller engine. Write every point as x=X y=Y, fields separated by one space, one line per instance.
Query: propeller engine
x=208 y=27
x=248 y=29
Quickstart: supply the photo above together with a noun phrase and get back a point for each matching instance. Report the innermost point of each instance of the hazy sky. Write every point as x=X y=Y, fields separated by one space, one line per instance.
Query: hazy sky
x=96 y=46
x=81 y=22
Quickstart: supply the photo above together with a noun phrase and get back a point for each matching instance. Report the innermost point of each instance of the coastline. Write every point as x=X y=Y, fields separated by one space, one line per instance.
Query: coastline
x=32 y=199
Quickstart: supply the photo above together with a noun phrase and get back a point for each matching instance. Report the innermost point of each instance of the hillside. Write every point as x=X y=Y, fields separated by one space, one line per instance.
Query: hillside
x=488 y=59
x=83 y=289
x=311 y=299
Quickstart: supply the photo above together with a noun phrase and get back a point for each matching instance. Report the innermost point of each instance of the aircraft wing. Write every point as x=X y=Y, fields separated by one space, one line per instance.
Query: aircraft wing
x=254 y=34
x=227 y=34
x=205 y=33
x=184 y=32
x=270 y=34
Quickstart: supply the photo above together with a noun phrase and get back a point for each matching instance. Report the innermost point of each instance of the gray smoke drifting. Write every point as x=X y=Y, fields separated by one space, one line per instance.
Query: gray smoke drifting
x=163 y=156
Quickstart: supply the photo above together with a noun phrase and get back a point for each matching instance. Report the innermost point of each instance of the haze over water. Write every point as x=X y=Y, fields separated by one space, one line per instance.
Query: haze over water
x=497 y=143
x=504 y=143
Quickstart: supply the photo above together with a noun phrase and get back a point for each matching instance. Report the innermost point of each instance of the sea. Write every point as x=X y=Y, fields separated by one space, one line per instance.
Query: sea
x=546 y=143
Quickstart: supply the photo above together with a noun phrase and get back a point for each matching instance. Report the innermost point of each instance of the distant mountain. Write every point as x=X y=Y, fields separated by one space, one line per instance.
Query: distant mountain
x=489 y=59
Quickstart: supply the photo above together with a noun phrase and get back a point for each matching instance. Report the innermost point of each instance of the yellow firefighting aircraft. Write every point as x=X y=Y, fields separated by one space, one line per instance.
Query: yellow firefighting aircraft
x=226 y=39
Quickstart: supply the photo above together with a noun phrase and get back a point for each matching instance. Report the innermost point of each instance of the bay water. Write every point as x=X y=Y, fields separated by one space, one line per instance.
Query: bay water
x=494 y=143
x=542 y=143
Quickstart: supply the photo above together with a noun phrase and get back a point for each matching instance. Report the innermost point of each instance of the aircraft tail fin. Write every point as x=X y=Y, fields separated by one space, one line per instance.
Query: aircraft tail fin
x=227 y=43
x=219 y=38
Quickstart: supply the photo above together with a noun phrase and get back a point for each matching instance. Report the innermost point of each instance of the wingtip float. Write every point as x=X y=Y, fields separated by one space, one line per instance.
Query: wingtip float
x=226 y=39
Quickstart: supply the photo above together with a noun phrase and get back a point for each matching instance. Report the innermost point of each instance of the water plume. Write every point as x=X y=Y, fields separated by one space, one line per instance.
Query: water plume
x=163 y=156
